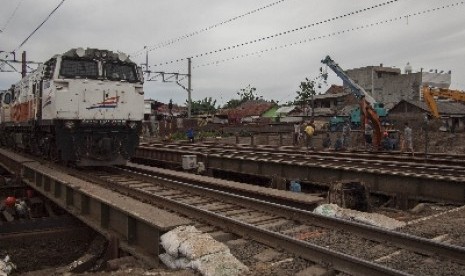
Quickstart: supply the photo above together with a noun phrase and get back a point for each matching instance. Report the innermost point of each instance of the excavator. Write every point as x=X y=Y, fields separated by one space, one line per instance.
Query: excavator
x=366 y=102
x=429 y=94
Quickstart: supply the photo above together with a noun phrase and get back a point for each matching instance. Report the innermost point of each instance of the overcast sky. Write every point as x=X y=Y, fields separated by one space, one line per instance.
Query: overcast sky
x=435 y=40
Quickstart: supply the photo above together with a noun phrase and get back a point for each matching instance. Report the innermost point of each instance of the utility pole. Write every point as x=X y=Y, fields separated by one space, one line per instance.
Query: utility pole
x=174 y=77
x=426 y=121
x=189 y=88
x=146 y=59
x=313 y=108
x=23 y=64
x=9 y=62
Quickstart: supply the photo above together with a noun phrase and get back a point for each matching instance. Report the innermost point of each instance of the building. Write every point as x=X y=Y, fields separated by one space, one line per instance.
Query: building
x=452 y=113
x=389 y=86
x=247 y=112
x=334 y=101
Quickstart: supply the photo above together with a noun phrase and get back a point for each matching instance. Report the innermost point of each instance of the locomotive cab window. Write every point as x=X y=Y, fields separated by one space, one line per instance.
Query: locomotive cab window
x=7 y=98
x=49 y=68
x=71 y=68
x=120 y=71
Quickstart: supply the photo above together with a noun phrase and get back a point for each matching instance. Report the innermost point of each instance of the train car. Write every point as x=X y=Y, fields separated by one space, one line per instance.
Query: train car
x=84 y=107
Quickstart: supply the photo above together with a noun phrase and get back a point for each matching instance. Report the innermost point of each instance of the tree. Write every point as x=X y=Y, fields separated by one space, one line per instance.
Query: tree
x=306 y=94
x=248 y=94
x=205 y=106
x=245 y=94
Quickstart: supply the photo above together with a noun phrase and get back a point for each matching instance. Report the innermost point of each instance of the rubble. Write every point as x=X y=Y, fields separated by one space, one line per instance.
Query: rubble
x=187 y=247
x=332 y=210
x=6 y=266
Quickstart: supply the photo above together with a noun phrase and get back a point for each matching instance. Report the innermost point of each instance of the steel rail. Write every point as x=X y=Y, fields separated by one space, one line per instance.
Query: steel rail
x=433 y=158
x=355 y=165
x=340 y=261
x=401 y=240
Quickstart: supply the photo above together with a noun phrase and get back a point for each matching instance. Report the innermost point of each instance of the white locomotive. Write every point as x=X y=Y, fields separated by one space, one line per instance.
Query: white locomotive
x=85 y=107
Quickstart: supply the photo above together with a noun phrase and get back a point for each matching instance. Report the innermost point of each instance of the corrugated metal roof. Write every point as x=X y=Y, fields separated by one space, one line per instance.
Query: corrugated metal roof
x=285 y=109
x=323 y=111
x=444 y=108
x=330 y=96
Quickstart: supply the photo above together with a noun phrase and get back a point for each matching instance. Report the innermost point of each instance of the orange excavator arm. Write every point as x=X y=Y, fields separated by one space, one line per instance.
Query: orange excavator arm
x=368 y=114
x=430 y=101
x=429 y=94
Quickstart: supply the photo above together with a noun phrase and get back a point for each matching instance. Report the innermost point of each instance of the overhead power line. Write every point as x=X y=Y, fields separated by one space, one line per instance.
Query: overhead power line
x=356 y=12
x=40 y=25
x=403 y=17
x=33 y=32
x=174 y=40
x=11 y=16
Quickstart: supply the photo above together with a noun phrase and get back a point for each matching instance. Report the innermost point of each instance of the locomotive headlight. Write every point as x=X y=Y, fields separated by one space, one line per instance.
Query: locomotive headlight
x=122 y=56
x=80 y=52
x=104 y=54
x=97 y=54
x=69 y=124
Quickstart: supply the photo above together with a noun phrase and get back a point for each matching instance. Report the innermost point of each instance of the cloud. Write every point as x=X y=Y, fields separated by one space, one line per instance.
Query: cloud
x=433 y=40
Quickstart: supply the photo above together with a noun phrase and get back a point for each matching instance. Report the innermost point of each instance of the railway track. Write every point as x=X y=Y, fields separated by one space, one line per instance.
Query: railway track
x=436 y=165
x=348 y=247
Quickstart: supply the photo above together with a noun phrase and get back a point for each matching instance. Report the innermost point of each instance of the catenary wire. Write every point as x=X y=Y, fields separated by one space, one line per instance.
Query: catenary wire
x=40 y=25
x=11 y=17
x=35 y=30
x=175 y=40
x=361 y=27
x=356 y=12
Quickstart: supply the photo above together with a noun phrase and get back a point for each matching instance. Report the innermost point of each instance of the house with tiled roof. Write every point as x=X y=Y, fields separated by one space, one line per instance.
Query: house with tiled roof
x=247 y=112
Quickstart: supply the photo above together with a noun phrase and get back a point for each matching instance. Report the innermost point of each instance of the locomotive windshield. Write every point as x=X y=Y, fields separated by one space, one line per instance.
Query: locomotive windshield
x=75 y=68
x=120 y=71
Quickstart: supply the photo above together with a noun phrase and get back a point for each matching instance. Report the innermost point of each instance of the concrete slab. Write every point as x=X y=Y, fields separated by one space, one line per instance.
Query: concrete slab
x=279 y=194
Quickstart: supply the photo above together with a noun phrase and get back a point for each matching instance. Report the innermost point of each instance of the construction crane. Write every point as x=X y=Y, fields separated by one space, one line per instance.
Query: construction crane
x=366 y=101
x=429 y=94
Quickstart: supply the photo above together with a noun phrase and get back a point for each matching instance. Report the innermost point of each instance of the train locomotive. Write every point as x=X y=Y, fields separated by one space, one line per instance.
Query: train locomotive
x=83 y=107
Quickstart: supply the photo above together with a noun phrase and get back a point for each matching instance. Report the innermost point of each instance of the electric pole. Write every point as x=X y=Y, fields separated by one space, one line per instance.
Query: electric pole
x=23 y=64
x=189 y=88
x=173 y=77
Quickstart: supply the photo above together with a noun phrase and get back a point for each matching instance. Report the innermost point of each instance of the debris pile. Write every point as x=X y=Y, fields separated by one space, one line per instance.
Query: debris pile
x=332 y=210
x=350 y=194
x=187 y=247
x=6 y=266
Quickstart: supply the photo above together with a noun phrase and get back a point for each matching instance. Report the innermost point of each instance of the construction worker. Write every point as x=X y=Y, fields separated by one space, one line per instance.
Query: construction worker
x=190 y=135
x=339 y=144
x=346 y=129
x=408 y=139
x=368 y=136
x=296 y=134
x=327 y=141
x=310 y=130
x=387 y=142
